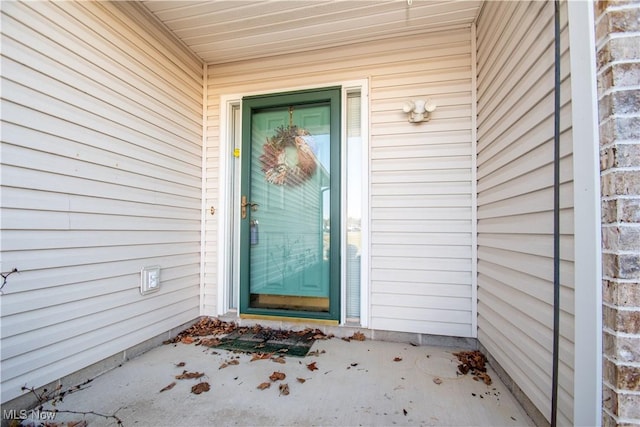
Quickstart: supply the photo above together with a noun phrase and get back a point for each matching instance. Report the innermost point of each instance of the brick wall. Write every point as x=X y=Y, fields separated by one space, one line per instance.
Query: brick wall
x=618 y=61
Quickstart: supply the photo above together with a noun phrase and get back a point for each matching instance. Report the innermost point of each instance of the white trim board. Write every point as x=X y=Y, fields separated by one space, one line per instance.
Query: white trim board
x=587 y=408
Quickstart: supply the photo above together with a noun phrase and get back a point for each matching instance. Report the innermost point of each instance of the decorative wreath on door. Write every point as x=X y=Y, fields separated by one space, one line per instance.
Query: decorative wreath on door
x=287 y=158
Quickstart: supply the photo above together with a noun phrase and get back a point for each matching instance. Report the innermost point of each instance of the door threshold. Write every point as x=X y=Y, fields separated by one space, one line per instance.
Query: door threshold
x=325 y=322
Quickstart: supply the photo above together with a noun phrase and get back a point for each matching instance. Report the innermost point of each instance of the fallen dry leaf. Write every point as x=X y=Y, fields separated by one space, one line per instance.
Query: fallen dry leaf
x=312 y=366
x=484 y=377
x=264 y=386
x=187 y=340
x=284 y=389
x=169 y=387
x=358 y=336
x=229 y=363
x=397 y=359
x=301 y=380
x=277 y=376
x=210 y=342
x=261 y=356
x=279 y=360
x=189 y=375
x=200 y=388
x=180 y=365
x=315 y=334
x=437 y=380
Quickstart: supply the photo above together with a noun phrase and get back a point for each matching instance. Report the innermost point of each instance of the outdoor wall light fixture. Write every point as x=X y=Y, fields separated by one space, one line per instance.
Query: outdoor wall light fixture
x=419 y=110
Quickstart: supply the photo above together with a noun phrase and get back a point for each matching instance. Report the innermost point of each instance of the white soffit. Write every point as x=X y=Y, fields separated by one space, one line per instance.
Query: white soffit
x=226 y=31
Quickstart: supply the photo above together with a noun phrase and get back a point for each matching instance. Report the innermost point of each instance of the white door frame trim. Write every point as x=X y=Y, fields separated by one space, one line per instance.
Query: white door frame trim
x=225 y=196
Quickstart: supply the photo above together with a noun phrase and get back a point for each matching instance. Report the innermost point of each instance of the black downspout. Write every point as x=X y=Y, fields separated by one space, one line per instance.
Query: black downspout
x=556 y=221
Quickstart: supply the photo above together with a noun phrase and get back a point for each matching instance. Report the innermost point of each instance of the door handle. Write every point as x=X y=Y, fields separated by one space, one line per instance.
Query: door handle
x=243 y=207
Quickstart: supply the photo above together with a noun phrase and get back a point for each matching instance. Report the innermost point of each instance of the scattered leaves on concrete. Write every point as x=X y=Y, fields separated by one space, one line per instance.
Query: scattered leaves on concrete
x=169 y=387
x=264 y=385
x=189 y=375
x=208 y=326
x=437 y=380
x=279 y=359
x=284 y=389
x=312 y=366
x=277 y=376
x=316 y=353
x=200 y=388
x=473 y=362
x=204 y=327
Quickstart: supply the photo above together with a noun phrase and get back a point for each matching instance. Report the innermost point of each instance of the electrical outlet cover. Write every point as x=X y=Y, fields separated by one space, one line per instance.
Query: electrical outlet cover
x=150 y=279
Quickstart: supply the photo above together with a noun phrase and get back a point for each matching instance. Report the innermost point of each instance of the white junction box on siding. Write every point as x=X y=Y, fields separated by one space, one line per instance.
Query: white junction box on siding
x=150 y=279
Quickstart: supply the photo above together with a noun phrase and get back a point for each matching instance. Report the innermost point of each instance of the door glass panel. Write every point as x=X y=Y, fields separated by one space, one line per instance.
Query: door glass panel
x=290 y=208
x=354 y=205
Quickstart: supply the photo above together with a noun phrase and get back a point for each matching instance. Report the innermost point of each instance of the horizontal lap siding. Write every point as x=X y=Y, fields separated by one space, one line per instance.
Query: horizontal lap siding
x=420 y=177
x=515 y=198
x=101 y=175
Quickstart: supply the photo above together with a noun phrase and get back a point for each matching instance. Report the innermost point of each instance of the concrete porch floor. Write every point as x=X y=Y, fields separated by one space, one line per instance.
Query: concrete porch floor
x=357 y=383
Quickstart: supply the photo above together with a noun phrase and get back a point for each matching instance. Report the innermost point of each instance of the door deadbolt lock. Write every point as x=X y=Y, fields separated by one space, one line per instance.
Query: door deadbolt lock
x=243 y=207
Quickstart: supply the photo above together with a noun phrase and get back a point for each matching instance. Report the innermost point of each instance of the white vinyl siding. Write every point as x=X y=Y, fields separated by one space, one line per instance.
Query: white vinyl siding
x=515 y=91
x=101 y=176
x=420 y=174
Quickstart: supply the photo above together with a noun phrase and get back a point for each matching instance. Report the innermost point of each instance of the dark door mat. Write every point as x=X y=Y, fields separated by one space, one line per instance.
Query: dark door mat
x=286 y=343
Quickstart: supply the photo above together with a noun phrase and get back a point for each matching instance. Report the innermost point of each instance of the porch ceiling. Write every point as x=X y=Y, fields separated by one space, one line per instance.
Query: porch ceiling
x=225 y=30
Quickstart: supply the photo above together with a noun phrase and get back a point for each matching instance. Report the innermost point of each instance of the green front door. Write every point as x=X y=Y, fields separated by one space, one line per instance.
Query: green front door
x=290 y=263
